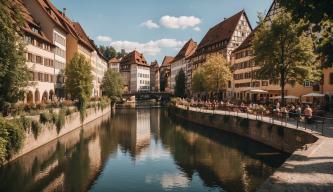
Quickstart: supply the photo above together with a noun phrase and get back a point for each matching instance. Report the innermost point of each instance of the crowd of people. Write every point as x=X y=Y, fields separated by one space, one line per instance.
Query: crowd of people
x=291 y=110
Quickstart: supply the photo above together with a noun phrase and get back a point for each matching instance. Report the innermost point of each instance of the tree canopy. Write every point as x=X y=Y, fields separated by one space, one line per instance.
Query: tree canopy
x=78 y=81
x=180 y=84
x=319 y=16
x=213 y=75
x=198 y=81
x=110 y=52
x=284 y=51
x=112 y=85
x=14 y=74
x=217 y=72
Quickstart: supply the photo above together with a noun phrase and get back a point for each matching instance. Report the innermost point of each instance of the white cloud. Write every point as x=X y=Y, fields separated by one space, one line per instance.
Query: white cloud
x=197 y=29
x=149 y=48
x=103 y=38
x=181 y=22
x=150 y=24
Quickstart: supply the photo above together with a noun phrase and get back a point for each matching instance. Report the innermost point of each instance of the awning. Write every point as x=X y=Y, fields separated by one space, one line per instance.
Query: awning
x=314 y=95
x=257 y=91
x=286 y=97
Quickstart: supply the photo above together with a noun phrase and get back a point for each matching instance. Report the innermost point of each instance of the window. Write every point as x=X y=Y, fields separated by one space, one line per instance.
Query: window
x=30 y=57
x=46 y=77
x=40 y=76
x=331 y=78
x=39 y=60
x=264 y=83
x=307 y=84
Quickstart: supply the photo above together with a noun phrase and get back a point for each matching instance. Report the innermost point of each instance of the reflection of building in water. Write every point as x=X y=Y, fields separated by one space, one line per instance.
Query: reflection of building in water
x=142 y=139
x=155 y=120
x=218 y=161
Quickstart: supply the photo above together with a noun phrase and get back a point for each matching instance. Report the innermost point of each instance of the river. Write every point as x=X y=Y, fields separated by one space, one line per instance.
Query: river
x=143 y=150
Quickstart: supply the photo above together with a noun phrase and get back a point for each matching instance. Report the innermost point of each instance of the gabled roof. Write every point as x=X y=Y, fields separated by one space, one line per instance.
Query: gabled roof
x=134 y=57
x=114 y=60
x=52 y=11
x=167 y=61
x=222 y=31
x=247 y=42
x=83 y=37
x=187 y=50
x=30 y=22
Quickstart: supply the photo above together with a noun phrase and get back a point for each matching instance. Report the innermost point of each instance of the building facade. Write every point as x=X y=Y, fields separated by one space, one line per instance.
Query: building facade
x=223 y=38
x=245 y=70
x=135 y=72
x=154 y=77
x=114 y=64
x=165 y=74
x=181 y=62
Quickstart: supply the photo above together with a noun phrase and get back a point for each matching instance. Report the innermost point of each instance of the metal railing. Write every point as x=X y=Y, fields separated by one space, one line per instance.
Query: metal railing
x=290 y=119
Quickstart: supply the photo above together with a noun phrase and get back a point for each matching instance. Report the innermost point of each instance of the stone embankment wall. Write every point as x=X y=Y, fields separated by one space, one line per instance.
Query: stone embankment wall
x=279 y=137
x=49 y=131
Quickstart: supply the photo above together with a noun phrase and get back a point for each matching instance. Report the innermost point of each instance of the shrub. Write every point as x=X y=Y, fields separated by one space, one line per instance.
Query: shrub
x=25 y=122
x=60 y=120
x=45 y=117
x=36 y=128
x=68 y=112
x=11 y=139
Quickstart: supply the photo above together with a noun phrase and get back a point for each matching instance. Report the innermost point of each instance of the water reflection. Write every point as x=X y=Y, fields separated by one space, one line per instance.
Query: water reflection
x=143 y=150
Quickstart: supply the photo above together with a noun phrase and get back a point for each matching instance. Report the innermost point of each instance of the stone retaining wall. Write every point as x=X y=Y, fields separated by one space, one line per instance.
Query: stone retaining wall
x=49 y=131
x=278 y=137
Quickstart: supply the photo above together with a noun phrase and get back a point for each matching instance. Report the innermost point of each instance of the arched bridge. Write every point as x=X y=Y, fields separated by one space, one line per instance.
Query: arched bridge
x=149 y=95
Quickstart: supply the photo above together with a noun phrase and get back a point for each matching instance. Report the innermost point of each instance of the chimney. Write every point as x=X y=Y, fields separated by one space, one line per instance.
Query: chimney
x=64 y=11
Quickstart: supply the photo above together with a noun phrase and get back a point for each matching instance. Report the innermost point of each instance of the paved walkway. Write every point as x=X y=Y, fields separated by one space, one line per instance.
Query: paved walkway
x=306 y=170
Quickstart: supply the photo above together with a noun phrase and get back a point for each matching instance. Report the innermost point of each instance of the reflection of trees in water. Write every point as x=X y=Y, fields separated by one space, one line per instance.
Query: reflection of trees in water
x=75 y=161
x=219 y=159
x=67 y=160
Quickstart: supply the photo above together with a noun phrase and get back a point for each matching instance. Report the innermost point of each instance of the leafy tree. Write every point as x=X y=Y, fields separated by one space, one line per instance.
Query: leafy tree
x=180 y=84
x=112 y=85
x=14 y=75
x=198 y=81
x=284 y=52
x=319 y=14
x=108 y=52
x=216 y=72
x=78 y=82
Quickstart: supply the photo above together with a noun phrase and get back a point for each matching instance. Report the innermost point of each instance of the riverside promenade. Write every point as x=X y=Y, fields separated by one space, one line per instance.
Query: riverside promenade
x=309 y=169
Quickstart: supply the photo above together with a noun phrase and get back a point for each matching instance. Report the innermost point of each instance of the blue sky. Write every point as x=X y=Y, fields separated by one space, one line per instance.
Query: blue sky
x=154 y=27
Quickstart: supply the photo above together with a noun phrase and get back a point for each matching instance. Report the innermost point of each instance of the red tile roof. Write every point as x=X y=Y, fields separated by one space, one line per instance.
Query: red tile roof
x=134 y=57
x=52 y=11
x=187 y=50
x=222 y=31
x=167 y=61
x=83 y=37
x=30 y=22
x=114 y=60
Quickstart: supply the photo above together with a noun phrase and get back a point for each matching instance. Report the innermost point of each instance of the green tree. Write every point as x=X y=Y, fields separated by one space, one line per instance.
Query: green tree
x=78 y=81
x=284 y=52
x=216 y=72
x=14 y=74
x=319 y=14
x=198 y=81
x=180 y=84
x=112 y=85
x=108 y=52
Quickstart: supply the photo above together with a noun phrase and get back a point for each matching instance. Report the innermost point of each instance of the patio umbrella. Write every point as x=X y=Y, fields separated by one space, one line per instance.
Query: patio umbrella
x=286 y=97
x=258 y=91
x=314 y=95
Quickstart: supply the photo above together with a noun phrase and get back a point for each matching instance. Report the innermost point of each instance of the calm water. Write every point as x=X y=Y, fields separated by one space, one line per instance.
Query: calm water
x=143 y=150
